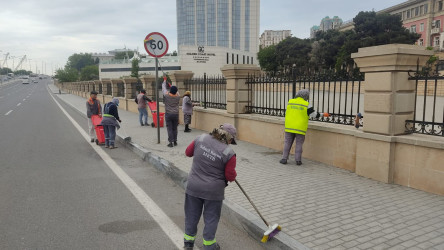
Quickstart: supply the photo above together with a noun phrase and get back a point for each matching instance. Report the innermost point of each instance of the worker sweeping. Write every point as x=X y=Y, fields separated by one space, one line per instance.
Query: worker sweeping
x=213 y=167
x=296 y=124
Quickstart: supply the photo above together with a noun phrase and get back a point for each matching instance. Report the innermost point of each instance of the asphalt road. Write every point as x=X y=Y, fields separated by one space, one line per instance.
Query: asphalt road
x=57 y=192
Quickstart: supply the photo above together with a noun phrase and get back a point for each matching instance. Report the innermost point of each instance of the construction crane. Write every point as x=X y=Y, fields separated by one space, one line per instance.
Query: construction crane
x=5 y=61
x=20 y=63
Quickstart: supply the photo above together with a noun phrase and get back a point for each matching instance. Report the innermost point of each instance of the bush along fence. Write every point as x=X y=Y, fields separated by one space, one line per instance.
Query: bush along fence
x=428 y=117
x=337 y=97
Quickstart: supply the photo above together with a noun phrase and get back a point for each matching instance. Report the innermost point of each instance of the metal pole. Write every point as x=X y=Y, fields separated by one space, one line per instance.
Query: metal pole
x=157 y=101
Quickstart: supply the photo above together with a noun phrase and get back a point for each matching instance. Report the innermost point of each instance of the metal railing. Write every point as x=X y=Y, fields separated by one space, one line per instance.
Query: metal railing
x=428 y=117
x=209 y=91
x=100 y=89
x=338 y=98
x=136 y=87
x=109 y=90
x=120 y=89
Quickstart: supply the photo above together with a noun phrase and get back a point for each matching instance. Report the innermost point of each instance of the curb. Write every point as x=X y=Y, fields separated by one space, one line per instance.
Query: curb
x=235 y=214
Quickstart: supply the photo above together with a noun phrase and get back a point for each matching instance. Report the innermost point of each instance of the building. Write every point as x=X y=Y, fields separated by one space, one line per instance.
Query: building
x=212 y=33
x=273 y=37
x=424 y=17
x=119 y=68
x=327 y=23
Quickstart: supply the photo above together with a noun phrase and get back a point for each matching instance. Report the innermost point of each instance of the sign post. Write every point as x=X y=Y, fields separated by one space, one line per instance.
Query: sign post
x=156 y=45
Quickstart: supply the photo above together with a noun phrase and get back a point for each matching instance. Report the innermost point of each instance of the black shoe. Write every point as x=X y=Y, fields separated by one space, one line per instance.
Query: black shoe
x=146 y=124
x=188 y=245
x=142 y=125
x=92 y=140
x=175 y=143
x=187 y=130
x=170 y=145
x=283 y=161
x=299 y=163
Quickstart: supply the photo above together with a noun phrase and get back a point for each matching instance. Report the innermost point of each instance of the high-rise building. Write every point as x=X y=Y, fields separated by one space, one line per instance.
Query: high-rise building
x=212 y=33
x=273 y=37
x=327 y=23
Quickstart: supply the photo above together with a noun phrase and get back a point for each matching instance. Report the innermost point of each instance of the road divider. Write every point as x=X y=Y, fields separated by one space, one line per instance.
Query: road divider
x=9 y=112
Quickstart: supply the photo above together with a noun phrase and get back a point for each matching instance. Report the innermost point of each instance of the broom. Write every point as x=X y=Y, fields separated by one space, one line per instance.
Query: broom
x=272 y=230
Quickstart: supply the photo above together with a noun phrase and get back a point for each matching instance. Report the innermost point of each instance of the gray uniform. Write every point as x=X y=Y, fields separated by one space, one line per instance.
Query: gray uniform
x=206 y=187
x=171 y=113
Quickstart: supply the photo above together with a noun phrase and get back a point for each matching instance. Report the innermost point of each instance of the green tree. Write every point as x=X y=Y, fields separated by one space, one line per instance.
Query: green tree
x=267 y=59
x=5 y=71
x=67 y=75
x=79 y=61
x=135 y=68
x=293 y=52
x=90 y=72
x=123 y=55
x=22 y=72
x=372 y=29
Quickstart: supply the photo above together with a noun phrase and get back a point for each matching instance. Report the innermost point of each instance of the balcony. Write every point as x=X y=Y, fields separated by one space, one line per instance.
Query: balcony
x=435 y=31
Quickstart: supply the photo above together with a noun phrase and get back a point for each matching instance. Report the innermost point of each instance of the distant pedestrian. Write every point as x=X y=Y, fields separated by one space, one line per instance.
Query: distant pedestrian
x=141 y=100
x=296 y=124
x=92 y=108
x=187 y=108
x=109 y=122
x=171 y=99
x=213 y=167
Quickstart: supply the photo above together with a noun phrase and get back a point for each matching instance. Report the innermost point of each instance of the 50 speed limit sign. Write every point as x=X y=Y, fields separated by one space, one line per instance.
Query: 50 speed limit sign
x=156 y=44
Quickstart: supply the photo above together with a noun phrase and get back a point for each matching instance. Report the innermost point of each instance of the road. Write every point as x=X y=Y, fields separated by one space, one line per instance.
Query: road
x=59 y=191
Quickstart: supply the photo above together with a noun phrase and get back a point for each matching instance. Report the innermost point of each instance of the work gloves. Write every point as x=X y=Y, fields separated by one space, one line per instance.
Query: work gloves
x=310 y=110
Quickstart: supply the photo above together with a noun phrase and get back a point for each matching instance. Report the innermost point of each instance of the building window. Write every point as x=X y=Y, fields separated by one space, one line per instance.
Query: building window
x=228 y=58
x=413 y=29
x=436 y=41
x=243 y=60
x=417 y=11
x=408 y=14
x=421 y=42
x=421 y=27
x=426 y=8
x=421 y=9
x=232 y=58
x=440 y=5
x=437 y=23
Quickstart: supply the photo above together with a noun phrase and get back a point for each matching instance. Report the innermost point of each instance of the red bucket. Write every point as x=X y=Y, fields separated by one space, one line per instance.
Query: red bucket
x=161 y=118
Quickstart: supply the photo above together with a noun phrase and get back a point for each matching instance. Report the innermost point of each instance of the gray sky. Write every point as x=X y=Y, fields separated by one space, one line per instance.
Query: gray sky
x=50 y=31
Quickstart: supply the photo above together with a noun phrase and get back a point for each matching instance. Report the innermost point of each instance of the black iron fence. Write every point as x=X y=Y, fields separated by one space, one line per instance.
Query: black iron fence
x=100 y=89
x=338 y=98
x=120 y=89
x=428 y=117
x=210 y=92
x=136 y=87
x=109 y=90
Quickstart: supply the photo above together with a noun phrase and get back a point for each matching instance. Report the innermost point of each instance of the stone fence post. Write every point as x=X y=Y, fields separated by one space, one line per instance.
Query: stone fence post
x=147 y=81
x=129 y=90
x=237 y=90
x=389 y=101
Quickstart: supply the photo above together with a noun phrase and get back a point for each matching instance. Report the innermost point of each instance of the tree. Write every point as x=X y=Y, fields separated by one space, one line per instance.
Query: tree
x=267 y=58
x=293 y=52
x=135 y=68
x=5 y=71
x=373 y=29
x=22 y=72
x=90 y=72
x=79 y=61
x=123 y=55
x=67 y=75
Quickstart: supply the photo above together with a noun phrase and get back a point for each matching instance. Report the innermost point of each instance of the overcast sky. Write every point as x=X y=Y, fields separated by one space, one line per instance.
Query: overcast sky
x=50 y=31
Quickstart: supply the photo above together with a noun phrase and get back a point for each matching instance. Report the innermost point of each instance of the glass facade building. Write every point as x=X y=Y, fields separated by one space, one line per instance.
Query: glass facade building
x=232 y=24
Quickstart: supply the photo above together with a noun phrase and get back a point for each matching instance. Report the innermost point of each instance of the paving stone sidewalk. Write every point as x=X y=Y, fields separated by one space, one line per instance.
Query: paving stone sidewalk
x=321 y=206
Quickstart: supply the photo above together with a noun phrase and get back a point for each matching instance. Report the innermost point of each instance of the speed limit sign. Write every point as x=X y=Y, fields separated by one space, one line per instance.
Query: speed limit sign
x=156 y=44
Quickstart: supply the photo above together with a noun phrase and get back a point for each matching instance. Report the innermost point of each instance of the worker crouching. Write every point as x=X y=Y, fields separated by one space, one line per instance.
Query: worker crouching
x=213 y=167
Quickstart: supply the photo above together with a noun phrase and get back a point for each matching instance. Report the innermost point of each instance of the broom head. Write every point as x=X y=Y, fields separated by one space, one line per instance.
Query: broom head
x=271 y=232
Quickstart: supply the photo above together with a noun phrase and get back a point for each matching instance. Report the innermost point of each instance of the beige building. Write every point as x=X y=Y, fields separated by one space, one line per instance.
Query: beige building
x=273 y=37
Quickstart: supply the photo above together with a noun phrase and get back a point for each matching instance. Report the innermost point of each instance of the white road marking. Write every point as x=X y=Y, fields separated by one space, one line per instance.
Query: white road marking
x=167 y=225
x=19 y=104
x=9 y=112
x=24 y=99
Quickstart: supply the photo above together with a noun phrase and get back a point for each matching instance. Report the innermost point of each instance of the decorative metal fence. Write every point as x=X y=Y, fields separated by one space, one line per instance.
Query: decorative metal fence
x=100 y=88
x=338 y=98
x=109 y=90
x=136 y=87
x=209 y=91
x=120 y=89
x=428 y=117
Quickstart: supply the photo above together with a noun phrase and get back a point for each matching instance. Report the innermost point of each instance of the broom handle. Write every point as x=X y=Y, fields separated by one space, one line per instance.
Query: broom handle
x=255 y=208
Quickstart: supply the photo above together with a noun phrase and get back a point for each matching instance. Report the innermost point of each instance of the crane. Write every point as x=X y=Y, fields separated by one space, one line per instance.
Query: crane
x=5 y=61
x=20 y=63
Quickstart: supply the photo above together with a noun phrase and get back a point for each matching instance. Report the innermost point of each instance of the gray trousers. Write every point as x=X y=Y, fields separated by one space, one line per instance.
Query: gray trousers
x=211 y=214
x=172 y=120
x=289 y=139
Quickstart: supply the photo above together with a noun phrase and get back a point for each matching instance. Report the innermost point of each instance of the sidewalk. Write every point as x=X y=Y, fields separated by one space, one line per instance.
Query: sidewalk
x=320 y=206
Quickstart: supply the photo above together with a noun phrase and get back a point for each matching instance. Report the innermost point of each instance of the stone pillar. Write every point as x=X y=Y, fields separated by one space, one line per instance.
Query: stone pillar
x=178 y=79
x=147 y=81
x=389 y=96
x=389 y=100
x=237 y=90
